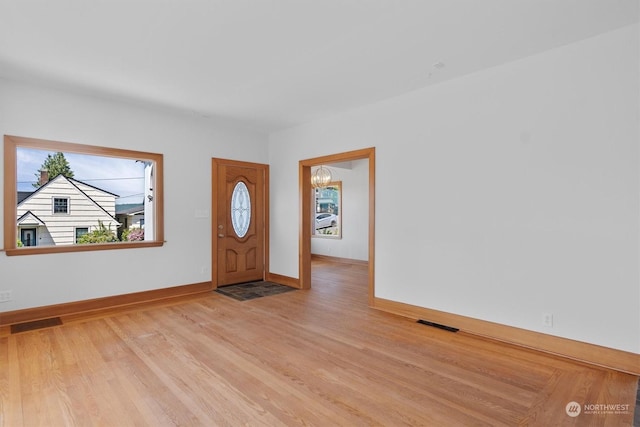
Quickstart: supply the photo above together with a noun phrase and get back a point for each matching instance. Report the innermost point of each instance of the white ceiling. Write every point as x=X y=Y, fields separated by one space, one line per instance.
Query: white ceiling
x=272 y=64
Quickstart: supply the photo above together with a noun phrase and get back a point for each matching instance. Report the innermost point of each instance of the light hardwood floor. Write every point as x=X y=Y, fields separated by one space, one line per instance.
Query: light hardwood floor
x=317 y=357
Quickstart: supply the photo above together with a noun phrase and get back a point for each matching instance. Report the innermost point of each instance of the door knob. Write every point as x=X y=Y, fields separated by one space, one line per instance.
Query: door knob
x=220 y=235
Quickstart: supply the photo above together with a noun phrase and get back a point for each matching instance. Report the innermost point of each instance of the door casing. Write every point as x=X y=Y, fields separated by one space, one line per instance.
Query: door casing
x=23 y=232
x=304 y=185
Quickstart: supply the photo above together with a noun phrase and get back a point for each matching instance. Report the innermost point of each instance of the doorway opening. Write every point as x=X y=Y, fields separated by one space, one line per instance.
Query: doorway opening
x=306 y=225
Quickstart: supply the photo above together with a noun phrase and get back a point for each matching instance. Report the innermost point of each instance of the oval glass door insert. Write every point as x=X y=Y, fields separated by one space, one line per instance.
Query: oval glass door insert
x=240 y=209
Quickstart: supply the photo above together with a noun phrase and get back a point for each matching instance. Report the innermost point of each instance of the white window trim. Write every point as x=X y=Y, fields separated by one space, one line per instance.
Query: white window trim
x=53 y=205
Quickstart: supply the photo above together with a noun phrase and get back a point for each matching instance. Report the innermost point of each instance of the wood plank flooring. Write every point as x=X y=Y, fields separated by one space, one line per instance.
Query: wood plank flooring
x=318 y=357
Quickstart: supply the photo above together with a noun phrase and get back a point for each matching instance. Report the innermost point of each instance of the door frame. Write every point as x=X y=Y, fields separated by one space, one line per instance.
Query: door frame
x=304 y=185
x=35 y=234
x=215 y=165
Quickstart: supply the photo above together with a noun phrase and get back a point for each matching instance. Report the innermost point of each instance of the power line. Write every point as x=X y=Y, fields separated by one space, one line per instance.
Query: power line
x=90 y=179
x=108 y=179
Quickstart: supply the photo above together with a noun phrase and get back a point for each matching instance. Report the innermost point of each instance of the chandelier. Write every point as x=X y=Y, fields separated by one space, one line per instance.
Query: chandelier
x=321 y=177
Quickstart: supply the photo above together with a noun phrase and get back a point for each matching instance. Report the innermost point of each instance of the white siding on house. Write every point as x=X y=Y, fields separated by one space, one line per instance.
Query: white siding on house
x=103 y=198
x=60 y=228
x=135 y=221
x=44 y=237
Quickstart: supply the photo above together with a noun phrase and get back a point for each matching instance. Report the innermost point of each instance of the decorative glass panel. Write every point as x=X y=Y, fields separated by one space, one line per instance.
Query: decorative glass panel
x=240 y=209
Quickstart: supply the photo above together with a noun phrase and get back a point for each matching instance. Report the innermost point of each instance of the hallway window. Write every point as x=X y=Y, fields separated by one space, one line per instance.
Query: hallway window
x=327 y=215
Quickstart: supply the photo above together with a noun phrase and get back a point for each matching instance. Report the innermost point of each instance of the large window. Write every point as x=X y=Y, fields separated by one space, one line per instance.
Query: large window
x=65 y=197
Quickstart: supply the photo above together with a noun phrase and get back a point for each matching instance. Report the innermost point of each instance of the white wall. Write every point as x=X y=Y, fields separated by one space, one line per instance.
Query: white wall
x=354 y=212
x=500 y=195
x=187 y=142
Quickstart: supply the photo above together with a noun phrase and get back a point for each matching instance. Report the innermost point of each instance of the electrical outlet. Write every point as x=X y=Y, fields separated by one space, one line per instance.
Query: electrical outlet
x=547 y=319
x=5 y=296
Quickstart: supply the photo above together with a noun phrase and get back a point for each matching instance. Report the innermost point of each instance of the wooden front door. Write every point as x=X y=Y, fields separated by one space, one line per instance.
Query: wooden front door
x=239 y=221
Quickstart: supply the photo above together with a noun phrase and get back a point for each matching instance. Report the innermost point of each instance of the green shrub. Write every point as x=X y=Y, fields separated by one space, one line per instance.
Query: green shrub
x=100 y=235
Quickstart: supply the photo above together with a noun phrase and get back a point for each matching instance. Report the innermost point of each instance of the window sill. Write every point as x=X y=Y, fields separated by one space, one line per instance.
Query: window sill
x=80 y=248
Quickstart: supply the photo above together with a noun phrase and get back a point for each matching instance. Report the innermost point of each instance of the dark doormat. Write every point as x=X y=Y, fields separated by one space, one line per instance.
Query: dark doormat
x=252 y=290
x=36 y=324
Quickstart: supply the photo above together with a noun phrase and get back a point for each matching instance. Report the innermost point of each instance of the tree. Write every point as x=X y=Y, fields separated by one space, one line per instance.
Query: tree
x=55 y=165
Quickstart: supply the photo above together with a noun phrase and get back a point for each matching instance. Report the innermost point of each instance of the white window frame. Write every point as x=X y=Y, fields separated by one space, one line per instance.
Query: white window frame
x=53 y=205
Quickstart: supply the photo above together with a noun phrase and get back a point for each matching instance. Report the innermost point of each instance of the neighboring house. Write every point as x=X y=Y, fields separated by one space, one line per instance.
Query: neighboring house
x=327 y=200
x=130 y=217
x=140 y=216
x=62 y=210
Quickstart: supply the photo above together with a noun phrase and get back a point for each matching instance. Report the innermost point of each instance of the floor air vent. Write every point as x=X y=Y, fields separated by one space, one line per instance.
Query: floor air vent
x=439 y=326
x=36 y=324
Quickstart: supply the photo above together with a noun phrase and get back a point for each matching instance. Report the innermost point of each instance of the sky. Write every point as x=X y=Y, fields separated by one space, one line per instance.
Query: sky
x=123 y=177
